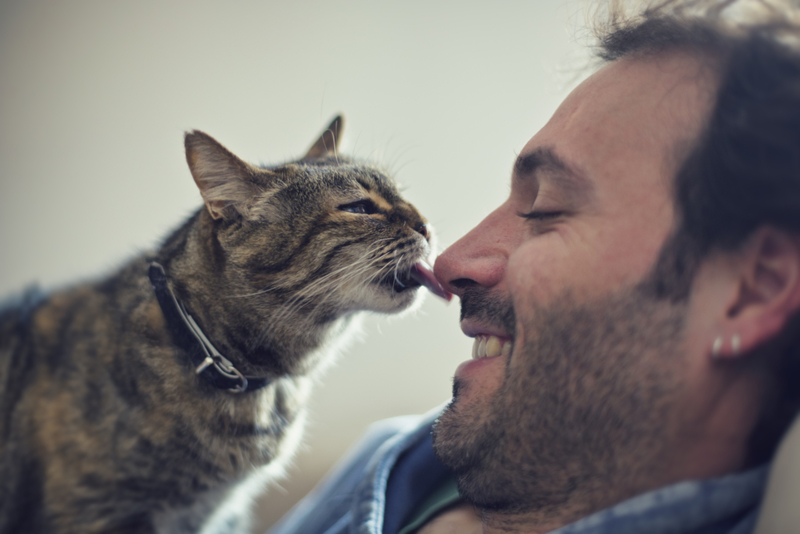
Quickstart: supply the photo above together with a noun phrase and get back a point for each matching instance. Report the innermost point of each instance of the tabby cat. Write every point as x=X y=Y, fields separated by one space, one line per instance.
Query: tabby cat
x=136 y=403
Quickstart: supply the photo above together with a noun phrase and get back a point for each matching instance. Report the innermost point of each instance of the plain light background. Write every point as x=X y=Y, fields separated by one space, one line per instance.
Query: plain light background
x=95 y=97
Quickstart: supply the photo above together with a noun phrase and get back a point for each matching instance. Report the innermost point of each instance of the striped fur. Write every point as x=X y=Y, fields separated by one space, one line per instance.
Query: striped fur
x=104 y=426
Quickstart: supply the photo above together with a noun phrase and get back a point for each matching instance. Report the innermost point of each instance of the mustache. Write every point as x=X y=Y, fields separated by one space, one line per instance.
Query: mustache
x=480 y=305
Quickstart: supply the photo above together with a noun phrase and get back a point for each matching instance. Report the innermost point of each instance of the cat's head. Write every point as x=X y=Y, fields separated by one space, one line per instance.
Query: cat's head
x=321 y=236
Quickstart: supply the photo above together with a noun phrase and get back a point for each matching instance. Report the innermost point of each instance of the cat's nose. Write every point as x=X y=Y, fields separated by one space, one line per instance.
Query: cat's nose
x=422 y=229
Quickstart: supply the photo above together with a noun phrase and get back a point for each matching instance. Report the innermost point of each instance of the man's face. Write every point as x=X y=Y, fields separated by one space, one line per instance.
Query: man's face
x=587 y=376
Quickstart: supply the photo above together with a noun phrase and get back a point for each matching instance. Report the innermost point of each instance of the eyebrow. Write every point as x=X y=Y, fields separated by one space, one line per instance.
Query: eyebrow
x=546 y=162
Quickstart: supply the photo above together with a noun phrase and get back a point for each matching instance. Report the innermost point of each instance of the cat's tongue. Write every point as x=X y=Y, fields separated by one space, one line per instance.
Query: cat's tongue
x=423 y=274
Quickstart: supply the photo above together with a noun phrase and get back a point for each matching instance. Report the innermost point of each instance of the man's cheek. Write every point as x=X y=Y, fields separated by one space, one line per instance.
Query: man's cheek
x=535 y=273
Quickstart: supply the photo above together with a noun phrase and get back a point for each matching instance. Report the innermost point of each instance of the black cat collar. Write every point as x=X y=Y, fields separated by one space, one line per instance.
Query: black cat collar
x=208 y=362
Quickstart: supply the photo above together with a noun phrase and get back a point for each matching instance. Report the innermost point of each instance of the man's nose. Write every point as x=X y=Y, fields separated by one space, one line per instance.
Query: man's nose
x=478 y=258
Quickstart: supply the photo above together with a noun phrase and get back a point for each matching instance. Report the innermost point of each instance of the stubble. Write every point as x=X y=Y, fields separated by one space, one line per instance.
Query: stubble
x=582 y=418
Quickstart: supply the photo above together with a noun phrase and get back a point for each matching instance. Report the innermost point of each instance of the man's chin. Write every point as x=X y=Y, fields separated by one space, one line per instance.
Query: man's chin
x=458 y=440
x=464 y=450
x=447 y=434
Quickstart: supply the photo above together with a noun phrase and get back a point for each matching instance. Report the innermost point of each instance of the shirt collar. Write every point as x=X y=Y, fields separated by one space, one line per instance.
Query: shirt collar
x=722 y=505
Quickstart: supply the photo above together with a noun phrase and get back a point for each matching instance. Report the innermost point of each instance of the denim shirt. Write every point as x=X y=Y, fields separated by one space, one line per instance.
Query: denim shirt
x=374 y=489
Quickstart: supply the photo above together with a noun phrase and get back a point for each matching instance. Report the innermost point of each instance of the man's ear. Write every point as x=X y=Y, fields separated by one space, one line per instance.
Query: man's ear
x=328 y=141
x=768 y=294
x=228 y=184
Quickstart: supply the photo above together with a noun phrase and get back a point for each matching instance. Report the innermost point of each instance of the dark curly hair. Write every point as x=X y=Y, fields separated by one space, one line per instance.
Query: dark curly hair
x=744 y=170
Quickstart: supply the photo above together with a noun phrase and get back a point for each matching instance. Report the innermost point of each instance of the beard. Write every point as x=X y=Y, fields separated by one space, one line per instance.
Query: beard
x=582 y=418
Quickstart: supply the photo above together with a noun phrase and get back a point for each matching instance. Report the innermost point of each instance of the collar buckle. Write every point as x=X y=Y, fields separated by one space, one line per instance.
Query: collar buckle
x=225 y=375
x=226 y=369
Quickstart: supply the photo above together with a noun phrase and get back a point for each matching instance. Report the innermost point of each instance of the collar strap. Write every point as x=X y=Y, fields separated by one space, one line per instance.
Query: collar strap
x=208 y=362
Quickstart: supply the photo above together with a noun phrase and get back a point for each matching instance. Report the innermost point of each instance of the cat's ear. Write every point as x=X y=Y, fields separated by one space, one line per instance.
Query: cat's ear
x=227 y=183
x=328 y=142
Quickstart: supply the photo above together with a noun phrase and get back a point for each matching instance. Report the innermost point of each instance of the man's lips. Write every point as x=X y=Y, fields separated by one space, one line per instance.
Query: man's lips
x=477 y=368
x=475 y=329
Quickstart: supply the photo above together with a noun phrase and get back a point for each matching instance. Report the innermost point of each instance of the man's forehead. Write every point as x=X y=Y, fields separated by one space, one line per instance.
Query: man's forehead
x=657 y=99
x=632 y=114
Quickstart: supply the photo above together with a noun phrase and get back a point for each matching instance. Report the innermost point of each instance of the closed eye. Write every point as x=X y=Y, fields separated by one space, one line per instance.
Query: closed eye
x=360 y=207
x=541 y=215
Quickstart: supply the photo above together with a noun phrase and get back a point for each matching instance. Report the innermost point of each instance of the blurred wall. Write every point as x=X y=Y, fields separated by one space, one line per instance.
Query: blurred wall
x=95 y=97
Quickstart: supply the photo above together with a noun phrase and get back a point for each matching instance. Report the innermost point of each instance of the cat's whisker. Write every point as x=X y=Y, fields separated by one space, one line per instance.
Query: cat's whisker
x=275 y=287
x=401 y=167
x=254 y=294
x=400 y=155
x=365 y=281
x=321 y=287
x=322 y=291
x=323 y=280
x=397 y=280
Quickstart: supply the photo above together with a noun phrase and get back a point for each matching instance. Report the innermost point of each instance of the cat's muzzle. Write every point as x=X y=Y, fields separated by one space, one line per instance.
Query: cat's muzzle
x=419 y=275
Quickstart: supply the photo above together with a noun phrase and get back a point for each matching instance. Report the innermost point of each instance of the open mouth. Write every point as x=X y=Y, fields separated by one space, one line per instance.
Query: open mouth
x=489 y=351
x=400 y=281
x=419 y=275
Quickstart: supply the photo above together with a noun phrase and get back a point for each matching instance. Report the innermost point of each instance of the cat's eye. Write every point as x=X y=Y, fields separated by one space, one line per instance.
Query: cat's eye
x=360 y=207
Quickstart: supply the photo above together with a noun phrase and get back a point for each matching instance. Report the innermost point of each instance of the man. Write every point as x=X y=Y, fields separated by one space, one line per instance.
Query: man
x=633 y=304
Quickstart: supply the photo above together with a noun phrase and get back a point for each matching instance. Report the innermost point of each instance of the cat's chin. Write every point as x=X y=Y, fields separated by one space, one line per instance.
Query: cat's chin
x=399 y=284
x=386 y=299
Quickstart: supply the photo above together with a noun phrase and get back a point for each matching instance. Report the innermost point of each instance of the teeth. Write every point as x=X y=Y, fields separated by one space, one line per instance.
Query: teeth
x=490 y=346
x=493 y=346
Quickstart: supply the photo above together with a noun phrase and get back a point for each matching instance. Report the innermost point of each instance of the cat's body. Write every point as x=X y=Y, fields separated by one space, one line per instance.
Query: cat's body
x=105 y=424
